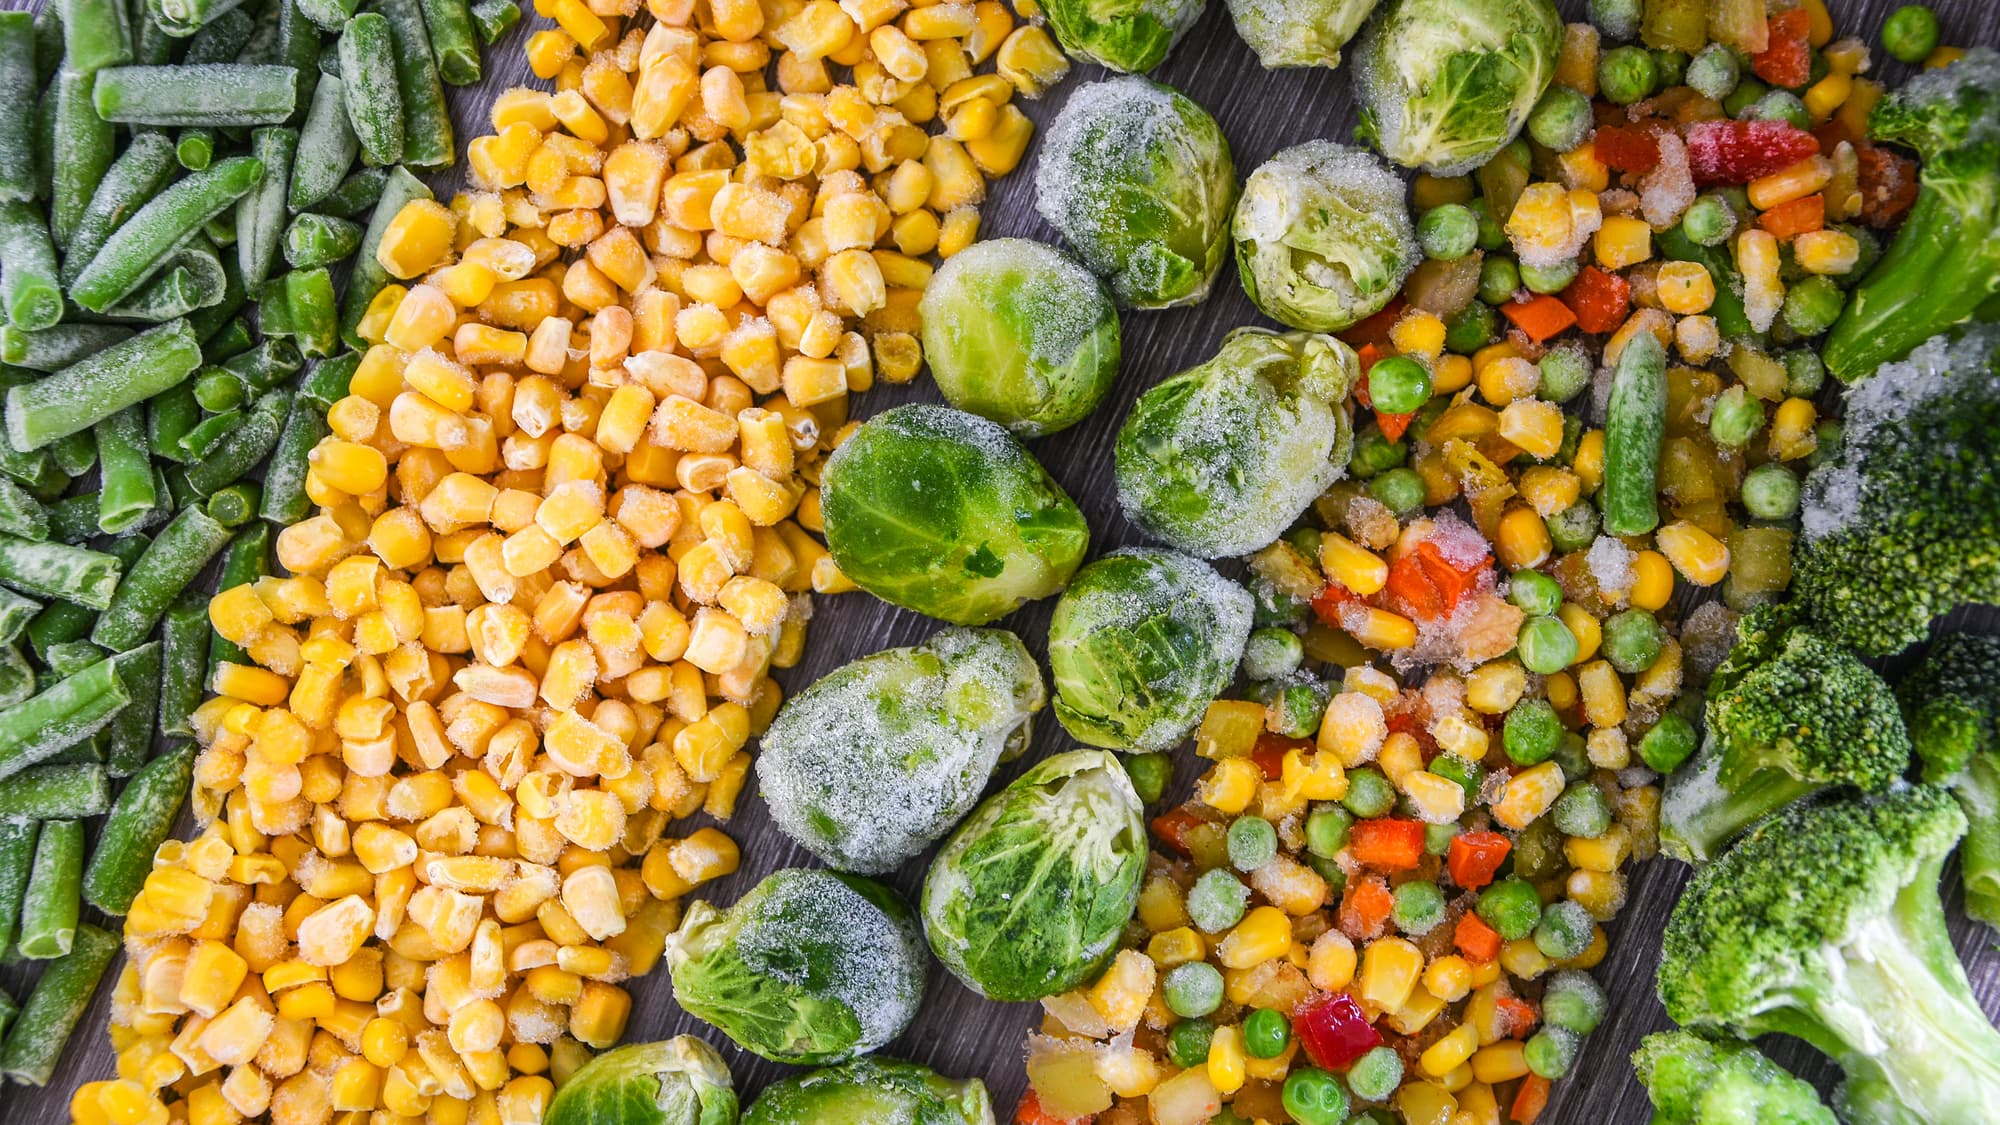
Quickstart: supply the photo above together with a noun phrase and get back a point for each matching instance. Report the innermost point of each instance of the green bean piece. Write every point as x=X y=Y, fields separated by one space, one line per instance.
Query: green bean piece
x=60 y=997
x=266 y=365
x=260 y=214
x=368 y=76
x=47 y=109
x=495 y=18
x=211 y=95
x=67 y=659
x=75 y=453
x=232 y=339
x=52 y=349
x=150 y=586
x=184 y=637
x=17 y=105
x=454 y=44
x=191 y=279
x=125 y=474
x=369 y=277
x=245 y=448
x=329 y=380
x=327 y=145
x=196 y=443
x=220 y=39
x=357 y=194
x=16 y=610
x=261 y=49
x=129 y=737
x=298 y=48
x=182 y=18
x=73 y=519
x=330 y=15
x=48 y=43
x=315 y=311
x=21 y=514
x=30 y=292
x=169 y=416
x=81 y=148
x=427 y=136
x=57 y=570
x=319 y=240
x=274 y=313
x=79 y=396
x=17 y=676
x=249 y=559
x=62 y=714
x=17 y=865
x=1634 y=426
x=152 y=236
x=194 y=148
x=208 y=321
x=136 y=176
x=49 y=909
x=96 y=34
x=236 y=505
x=59 y=623
x=218 y=391
x=285 y=500
x=140 y=820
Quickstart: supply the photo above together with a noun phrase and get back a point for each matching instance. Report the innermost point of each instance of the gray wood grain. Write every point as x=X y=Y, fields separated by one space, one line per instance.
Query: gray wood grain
x=957 y=1032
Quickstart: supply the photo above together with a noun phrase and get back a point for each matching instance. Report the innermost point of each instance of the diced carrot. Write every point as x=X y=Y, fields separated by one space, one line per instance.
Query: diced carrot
x=1474 y=858
x=1173 y=826
x=1269 y=753
x=1032 y=1113
x=1327 y=604
x=1375 y=329
x=1365 y=907
x=1787 y=60
x=1517 y=1016
x=1410 y=589
x=1530 y=1100
x=1366 y=356
x=1787 y=220
x=1393 y=426
x=1452 y=583
x=1387 y=843
x=1540 y=317
x=1474 y=938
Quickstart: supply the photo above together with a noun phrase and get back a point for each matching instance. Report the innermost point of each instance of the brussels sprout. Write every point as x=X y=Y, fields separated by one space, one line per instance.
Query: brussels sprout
x=1299 y=32
x=879 y=758
x=679 y=1082
x=943 y=512
x=1445 y=84
x=1221 y=458
x=1323 y=238
x=1141 y=644
x=1030 y=895
x=810 y=967
x=873 y=1092
x=1019 y=333
x=1133 y=36
x=1138 y=178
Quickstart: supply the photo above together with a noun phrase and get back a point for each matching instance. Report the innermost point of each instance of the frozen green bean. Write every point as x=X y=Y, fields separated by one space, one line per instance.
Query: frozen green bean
x=182 y=18
x=249 y=559
x=30 y=290
x=206 y=322
x=369 y=277
x=197 y=442
x=125 y=472
x=96 y=34
x=50 y=908
x=18 y=90
x=183 y=662
x=48 y=42
x=129 y=737
x=215 y=95
x=17 y=676
x=62 y=714
x=57 y=570
x=320 y=240
x=243 y=450
x=67 y=659
x=356 y=195
x=236 y=505
x=75 y=453
x=186 y=544
x=55 y=792
x=61 y=995
x=82 y=146
x=298 y=48
x=152 y=236
x=330 y=15
x=260 y=214
x=220 y=39
x=169 y=416
x=454 y=44
x=17 y=866
x=1635 y=424
x=327 y=146
x=135 y=177
x=181 y=286
x=265 y=366
x=76 y=398
x=140 y=821
x=194 y=148
x=20 y=513
x=315 y=312
x=427 y=137
x=52 y=349
x=16 y=610
x=495 y=18
x=368 y=88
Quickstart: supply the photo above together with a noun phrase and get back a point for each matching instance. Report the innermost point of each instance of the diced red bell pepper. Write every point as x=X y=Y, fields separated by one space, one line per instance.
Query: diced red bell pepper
x=1626 y=148
x=1327 y=604
x=1375 y=329
x=1032 y=1113
x=1270 y=751
x=1173 y=826
x=1600 y=299
x=1475 y=857
x=1334 y=1030
x=1387 y=843
x=1530 y=1100
x=1795 y=217
x=1787 y=60
x=1410 y=590
x=1452 y=583
x=1541 y=317
x=1364 y=908
x=1736 y=152
x=1474 y=938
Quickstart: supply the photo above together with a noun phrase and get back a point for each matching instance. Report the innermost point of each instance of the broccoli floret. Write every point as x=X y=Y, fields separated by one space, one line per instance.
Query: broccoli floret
x=1903 y=522
x=1946 y=258
x=1951 y=703
x=1789 y=713
x=1694 y=1080
x=1825 y=924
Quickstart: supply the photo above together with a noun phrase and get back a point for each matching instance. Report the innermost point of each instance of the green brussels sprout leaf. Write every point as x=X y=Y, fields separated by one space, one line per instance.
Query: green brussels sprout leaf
x=1445 y=84
x=1133 y=36
x=681 y=1081
x=1299 y=32
x=873 y=1092
x=1323 y=238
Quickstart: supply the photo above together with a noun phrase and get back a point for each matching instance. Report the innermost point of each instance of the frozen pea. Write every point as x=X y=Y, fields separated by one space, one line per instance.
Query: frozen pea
x=1546 y=645
x=1193 y=990
x=1713 y=71
x=1632 y=640
x=1771 y=492
x=1564 y=372
x=1450 y=766
x=1616 y=19
x=1498 y=278
x=1252 y=844
x=1295 y=706
x=1369 y=794
x=1582 y=811
x=1448 y=231
x=1626 y=74
x=1778 y=105
x=1511 y=907
x=1438 y=837
x=1398 y=384
x=1670 y=742
x=1829 y=435
x=1534 y=593
x=1575 y=1002
x=1573 y=755
x=1812 y=305
x=1745 y=95
x=1492 y=233
x=1326 y=830
x=1708 y=221
x=1217 y=901
x=1150 y=774
x=1574 y=528
x=1266 y=1033
x=1551 y=1052
x=1417 y=906
x=1188 y=1042
x=1271 y=654
x=1804 y=373
x=1401 y=491
x=1910 y=33
x=1669 y=67
x=1532 y=731
x=1376 y=1074
x=1564 y=931
x=1548 y=279
x=1374 y=453
x=1561 y=120
x=1471 y=329
x=1736 y=417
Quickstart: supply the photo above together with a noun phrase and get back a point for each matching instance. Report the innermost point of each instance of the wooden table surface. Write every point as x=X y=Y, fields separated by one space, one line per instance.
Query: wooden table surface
x=957 y=1032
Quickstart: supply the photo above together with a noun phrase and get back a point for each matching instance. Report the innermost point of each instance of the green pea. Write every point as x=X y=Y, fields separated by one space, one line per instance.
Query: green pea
x=1252 y=843
x=1217 y=901
x=1398 y=384
x=1511 y=907
x=1376 y=1074
x=1632 y=640
x=1708 y=221
x=1296 y=706
x=1471 y=329
x=1374 y=452
x=1187 y=1043
x=1548 y=279
x=1438 y=837
x=1448 y=231
x=1492 y=233
x=1266 y=1033
x=1713 y=72
x=1546 y=645
x=1582 y=811
x=1498 y=278
x=1616 y=19
x=1574 y=528
x=1534 y=593
x=1401 y=491
x=1468 y=775
x=1804 y=373
x=1745 y=95
x=1314 y=1097
x=1574 y=1002
x=1565 y=371
x=1551 y=1051
x=1531 y=731
x=1417 y=907
x=1910 y=33
x=1369 y=794
x=1771 y=492
x=1149 y=773
x=1626 y=74
x=1573 y=755
x=1669 y=66
x=1813 y=305
x=1193 y=989
x=1326 y=830
x=1561 y=120
x=1736 y=417
x=1829 y=435
x=1670 y=742
x=1564 y=931
x=1778 y=105
x=1271 y=654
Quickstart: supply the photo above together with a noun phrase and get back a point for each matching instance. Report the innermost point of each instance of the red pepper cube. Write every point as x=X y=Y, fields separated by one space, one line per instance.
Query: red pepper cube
x=1787 y=59
x=1600 y=299
x=1334 y=1031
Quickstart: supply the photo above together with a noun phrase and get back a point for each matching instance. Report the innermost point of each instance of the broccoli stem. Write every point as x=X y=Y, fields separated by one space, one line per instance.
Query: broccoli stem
x=1943 y=264
x=1978 y=791
x=1700 y=814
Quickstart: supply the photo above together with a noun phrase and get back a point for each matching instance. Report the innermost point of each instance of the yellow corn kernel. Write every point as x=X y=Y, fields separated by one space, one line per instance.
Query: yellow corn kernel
x=1226 y=1058
x=1389 y=970
x=1263 y=934
x=1792 y=435
x=1698 y=556
x=1623 y=240
x=417 y=238
x=1119 y=996
x=1528 y=795
x=1523 y=538
x=1352 y=565
x=1830 y=252
x=1685 y=288
x=1789 y=183
x=1449 y=1052
x=1582 y=625
x=1652 y=581
x=1448 y=978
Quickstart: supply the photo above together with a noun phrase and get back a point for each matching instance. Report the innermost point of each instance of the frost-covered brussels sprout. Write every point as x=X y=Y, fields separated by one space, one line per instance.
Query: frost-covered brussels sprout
x=943 y=512
x=1138 y=178
x=1221 y=458
x=1299 y=32
x=1140 y=645
x=880 y=757
x=1129 y=35
x=810 y=967
x=1323 y=238
x=1445 y=84
x=1018 y=332
x=873 y=1092
x=1029 y=897
x=679 y=1082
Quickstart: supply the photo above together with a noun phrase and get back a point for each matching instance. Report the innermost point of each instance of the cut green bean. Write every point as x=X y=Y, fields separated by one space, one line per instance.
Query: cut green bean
x=151 y=585
x=73 y=519
x=369 y=277
x=57 y=570
x=298 y=48
x=81 y=146
x=274 y=314
x=141 y=820
x=236 y=505
x=265 y=366
x=152 y=236
x=328 y=381
x=184 y=637
x=135 y=177
x=48 y=108
x=327 y=146
x=212 y=95
x=178 y=289
x=319 y=240
x=218 y=391
x=57 y=792
x=194 y=148
x=66 y=712
x=1635 y=423
x=454 y=44
x=96 y=34
x=129 y=737
x=51 y=905
x=21 y=514
x=30 y=289
x=206 y=322
x=50 y=1015
x=261 y=49
x=182 y=18
x=59 y=623
x=260 y=214
x=427 y=136
x=196 y=443
x=243 y=450
x=221 y=230
x=151 y=45
x=67 y=659
x=17 y=866
x=357 y=194
x=248 y=559
x=495 y=18
x=330 y=15
x=285 y=499
x=125 y=473
x=48 y=43
x=17 y=676
x=52 y=349
x=220 y=39
x=81 y=395
x=16 y=610
x=17 y=105
x=368 y=88
x=315 y=311
x=76 y=453
x=169 y=416
x=232 y=339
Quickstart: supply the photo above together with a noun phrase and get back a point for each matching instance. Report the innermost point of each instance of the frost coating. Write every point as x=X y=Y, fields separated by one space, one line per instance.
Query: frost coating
x=1133 y=36
x=1323 y=237
x=809 y=967
x=681 y=1081
x=1445 y=84
x=1019 y=333
x=1141 y=644
x=1138 y=179
x=1221 y=458
x=943 y=512
x=880 y=757
x=1299 y=32
x=873 y=1092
